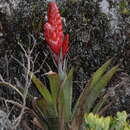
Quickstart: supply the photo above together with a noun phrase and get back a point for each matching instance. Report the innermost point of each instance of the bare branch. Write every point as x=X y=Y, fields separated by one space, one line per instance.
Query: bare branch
x=1 y=78
x=28 y=64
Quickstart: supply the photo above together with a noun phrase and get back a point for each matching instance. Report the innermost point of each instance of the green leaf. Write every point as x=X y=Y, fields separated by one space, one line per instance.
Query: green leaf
x=67 y=91
x=41 y=88
x=40 y=108
x=99 y=105
x=97 y=75
x=54 y=85
x=93 y=94
x=47 y=114
x=45 y=108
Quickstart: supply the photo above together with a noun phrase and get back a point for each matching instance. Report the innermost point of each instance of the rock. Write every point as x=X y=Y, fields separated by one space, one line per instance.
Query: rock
x=119 y=92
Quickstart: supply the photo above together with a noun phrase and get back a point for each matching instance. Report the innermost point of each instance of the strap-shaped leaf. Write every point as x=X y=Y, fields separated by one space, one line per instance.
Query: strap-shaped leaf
x=90 y=93
x=54 y=85
x=47 y=109
x=40 y=108
x=67 y=92
x=97 y=75
x=48 y=112
x=99 y=105
x=41 y=88
x=90 y=99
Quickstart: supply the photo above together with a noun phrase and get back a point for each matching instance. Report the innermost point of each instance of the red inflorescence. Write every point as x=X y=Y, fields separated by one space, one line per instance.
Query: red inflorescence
x=53 y=31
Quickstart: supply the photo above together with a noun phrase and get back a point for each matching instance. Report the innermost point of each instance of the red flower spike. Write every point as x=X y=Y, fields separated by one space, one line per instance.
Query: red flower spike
x=65 y=45
x=53 y=31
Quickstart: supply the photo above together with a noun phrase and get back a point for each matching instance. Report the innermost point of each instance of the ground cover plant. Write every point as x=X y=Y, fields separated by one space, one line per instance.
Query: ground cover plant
x=95 y=122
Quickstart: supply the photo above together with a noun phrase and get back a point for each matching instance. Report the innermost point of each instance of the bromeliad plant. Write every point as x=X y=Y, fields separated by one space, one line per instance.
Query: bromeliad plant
x=54 y=109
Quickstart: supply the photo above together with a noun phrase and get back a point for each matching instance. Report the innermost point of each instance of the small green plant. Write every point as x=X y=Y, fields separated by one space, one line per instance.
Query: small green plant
x=96 y=122
x=123 y=5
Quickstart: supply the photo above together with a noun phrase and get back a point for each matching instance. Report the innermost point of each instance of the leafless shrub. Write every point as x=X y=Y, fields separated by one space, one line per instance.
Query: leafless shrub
x=28 y=64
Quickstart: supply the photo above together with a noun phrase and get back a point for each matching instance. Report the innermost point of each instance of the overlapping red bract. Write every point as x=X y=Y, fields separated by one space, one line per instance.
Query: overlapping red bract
x=53 y=31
